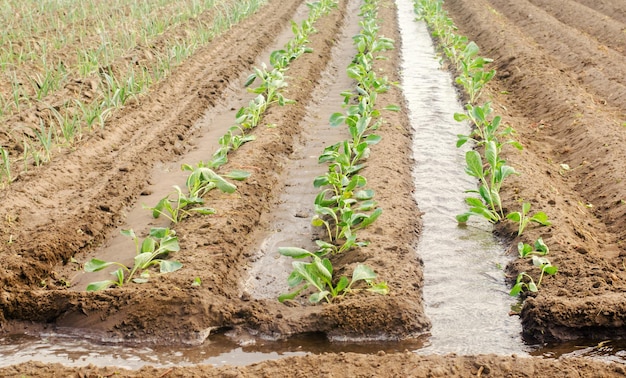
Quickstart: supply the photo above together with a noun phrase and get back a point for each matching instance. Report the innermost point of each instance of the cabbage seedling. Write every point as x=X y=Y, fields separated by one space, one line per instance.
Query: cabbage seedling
x=174 y=210
x=159 y=243
x=521 y=284
x=522 y=219
x=526 y=250
x=491 y=177
x=319 y=274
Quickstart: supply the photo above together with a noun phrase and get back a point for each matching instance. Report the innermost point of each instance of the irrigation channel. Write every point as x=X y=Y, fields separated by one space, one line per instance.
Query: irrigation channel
x=466 y=296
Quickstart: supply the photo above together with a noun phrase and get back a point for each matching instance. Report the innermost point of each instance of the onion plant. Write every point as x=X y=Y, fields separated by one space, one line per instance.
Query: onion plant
x=100 y=56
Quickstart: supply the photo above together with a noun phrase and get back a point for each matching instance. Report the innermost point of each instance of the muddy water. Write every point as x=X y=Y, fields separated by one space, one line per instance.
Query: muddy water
x=464 y=290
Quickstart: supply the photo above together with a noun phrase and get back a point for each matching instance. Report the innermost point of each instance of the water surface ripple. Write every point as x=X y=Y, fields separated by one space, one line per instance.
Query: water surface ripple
x=464 y=290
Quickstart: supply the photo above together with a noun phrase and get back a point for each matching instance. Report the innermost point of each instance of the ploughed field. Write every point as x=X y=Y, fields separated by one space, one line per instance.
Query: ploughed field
x=560 y=83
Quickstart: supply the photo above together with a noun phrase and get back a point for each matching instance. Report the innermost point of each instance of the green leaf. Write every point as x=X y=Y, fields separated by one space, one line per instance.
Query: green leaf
x=317 y=297
x=491 y=153
x=393 y=108
x=159 y=232
x=196 y=282
x=550 y=269
x=167 y=266
x=203 y=210
x=516 y=289
x=237 y=175
x=148 y=245
x=459 y=117
x=461 y=140
x=290 y=296
x=373 y=139
x=515 y=216
x=294 y=279
x=170 y=244
x=224 y=185
x=463 y=218
x=322 y=267
x=365 y=194
x=371 y=218
x=540 y=261
x=336 y=119
x=541 y=246
x=294 y=252
x=129 y=233
x=142 y=260
x=158 y=209
x=309 y=272
x=524 y=249
x=342 y=284
x=379 y=288
x=250 y=80
x=320 y=181
x=363 y=272
x=95 y=265
x=474 y=202
x=541 y=218
x=316 y=221
x=100 y=285
x=474 y=164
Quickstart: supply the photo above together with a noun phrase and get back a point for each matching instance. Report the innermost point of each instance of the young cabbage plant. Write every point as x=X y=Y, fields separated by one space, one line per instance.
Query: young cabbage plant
x=522 y=218
x=203 y=179
x=176 y=209
x=525 y=282
x=318 y=273
x=486 y=128
x=152 y=251
x=490 y=176
x=526 y=250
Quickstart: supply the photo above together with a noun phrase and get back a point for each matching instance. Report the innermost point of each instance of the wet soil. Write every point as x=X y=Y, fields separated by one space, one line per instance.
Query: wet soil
x=356 y=365
x=559 y=84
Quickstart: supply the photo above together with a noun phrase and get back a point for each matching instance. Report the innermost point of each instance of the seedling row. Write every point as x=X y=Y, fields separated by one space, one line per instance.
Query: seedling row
x=203 y=177
x=486 y=162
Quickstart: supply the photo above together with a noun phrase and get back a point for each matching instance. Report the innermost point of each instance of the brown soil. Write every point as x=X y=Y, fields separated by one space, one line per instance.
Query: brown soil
x=355 y=365
x=560 y=84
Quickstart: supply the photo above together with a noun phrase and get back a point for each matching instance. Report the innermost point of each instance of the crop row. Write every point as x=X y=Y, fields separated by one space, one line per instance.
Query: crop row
x=203 y=178
x=344 y=205
x=489 y=136
x=51 y=96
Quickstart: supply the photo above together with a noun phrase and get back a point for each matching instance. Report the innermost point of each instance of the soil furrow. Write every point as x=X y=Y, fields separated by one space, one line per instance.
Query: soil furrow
x=612 y=9
x=573 y=155
x=578 y=54
x=87 y=190
x=606 y=31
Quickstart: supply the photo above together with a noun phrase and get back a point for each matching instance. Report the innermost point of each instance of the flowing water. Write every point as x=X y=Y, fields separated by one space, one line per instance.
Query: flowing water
x=464 y=290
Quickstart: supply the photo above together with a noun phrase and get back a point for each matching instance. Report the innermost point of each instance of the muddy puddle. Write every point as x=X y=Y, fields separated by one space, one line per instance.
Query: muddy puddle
x=465 y=293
